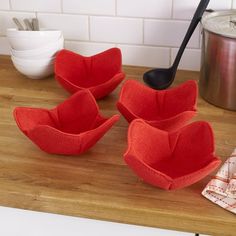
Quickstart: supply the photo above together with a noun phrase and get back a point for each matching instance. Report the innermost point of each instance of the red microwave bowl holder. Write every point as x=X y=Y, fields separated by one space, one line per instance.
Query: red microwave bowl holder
x=171 y=160
x=101 y=73
x=71 y=128
x=168 y=109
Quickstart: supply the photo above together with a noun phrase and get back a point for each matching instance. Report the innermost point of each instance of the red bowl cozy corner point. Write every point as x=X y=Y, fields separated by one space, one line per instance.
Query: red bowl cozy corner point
x=171 y=160
x=168 y=109
x=100 y=73
x=69 y=129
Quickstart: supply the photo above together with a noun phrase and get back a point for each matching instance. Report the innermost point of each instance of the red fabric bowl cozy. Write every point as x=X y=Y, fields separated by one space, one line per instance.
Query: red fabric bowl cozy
x=100 y=73
x=171 y=160
x=69 y=129
x=167 y=109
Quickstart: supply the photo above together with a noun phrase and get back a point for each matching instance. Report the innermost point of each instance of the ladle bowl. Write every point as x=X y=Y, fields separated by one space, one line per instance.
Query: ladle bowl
x=161 y=78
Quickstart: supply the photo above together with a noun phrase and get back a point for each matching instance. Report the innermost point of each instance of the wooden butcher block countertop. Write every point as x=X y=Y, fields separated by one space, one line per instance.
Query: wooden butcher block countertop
x=98 y=184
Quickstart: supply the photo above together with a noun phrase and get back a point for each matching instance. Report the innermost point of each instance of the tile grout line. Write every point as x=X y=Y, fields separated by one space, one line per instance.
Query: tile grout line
x=143 y=29
x=115 y=7
x=129 y=44
x=116 y=44
x=61 y=3
x=116 y=15
x=31 y=11
x=172 y=9
x=89 y=28
x=10 y=5
x=97 y=15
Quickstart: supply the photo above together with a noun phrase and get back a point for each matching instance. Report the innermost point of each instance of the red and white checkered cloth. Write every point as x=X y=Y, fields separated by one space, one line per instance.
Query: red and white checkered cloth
x=222 y=188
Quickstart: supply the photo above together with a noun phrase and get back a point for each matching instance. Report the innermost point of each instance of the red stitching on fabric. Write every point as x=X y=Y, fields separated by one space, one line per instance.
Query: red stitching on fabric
x=219 y=199
x=216 y=187
x=221 y=179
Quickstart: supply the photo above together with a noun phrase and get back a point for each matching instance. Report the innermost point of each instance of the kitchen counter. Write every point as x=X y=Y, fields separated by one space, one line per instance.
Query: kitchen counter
x=98 y=184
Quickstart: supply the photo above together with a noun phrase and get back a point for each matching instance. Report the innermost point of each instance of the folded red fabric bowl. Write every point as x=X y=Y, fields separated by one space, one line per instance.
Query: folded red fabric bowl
x=100 y=73
x=171 y=160
x=167 y=109
x=69 y=129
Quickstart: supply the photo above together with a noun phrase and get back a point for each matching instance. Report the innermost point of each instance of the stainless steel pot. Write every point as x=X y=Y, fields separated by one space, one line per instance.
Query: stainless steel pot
x=217 y=82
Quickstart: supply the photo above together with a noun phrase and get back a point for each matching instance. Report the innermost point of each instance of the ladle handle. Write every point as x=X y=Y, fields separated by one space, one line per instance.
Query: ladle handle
x=196 y=18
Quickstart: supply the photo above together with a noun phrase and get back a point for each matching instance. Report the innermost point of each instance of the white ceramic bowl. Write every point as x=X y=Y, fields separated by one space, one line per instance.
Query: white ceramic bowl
x=36 y=62
x=34 y=69
x=40 y=53
x=28 y=40
x=13 y=32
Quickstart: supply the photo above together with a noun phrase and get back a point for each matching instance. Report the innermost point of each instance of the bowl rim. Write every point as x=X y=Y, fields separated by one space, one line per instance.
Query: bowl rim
x=34 y=32
x=49 y=33
x=50 y=46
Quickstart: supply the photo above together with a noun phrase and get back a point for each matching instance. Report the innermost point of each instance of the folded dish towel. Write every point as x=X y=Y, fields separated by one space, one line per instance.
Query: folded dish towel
x=222 y=188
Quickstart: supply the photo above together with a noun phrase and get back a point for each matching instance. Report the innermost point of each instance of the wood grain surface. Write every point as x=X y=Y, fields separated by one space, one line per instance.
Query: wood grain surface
x=98 y=184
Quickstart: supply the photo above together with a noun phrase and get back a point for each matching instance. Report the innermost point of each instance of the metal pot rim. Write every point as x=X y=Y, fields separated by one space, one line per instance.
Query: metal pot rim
x=215 y=28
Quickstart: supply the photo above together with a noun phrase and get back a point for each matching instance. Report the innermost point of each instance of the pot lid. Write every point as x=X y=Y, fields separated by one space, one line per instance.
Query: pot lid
x=222 y=22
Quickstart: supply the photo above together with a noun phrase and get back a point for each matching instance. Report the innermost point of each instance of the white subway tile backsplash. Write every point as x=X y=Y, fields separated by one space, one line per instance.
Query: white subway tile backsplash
x=234 y=4
x=191 y=59
x=116 y=30
x=147 y=31
x=168 y=33
x=144 y=8
x=184 y=9
x=145 y=56
x=4 y=46
x=74 y=27
x=97 y=7
x=4 y=5
x=36 y=5
x=87 y=48
x=7 y=22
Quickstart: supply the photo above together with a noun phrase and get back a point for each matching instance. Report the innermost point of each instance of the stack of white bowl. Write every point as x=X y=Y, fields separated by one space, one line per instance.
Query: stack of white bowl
x=33 y=52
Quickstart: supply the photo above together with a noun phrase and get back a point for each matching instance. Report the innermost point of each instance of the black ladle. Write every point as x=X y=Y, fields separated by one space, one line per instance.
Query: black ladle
x=162 y=78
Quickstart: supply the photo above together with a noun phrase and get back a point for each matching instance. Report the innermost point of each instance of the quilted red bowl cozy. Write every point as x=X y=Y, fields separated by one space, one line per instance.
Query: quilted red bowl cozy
x=100 y=73
x=167 y=109
x=171 y=160
x=71 y=128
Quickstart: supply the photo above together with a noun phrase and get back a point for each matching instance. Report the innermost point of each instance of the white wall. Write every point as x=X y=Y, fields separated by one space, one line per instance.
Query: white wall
x=148 y=32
